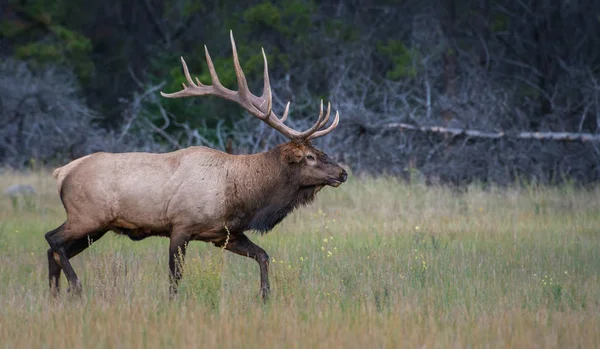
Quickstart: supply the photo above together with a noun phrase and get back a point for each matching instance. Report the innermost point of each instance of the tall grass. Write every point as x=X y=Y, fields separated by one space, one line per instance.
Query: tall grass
x=374 y=263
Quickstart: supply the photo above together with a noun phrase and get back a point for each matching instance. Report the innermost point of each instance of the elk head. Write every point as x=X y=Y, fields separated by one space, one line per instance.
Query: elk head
x=309 y=166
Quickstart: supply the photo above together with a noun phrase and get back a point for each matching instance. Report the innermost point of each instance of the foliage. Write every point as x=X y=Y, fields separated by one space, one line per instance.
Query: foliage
x=502 y=66
x=41 y=32
x=405 y=60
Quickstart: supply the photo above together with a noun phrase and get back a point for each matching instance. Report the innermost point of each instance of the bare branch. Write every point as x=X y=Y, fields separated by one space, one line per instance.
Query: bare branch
x=163 y=134
x=556 y=136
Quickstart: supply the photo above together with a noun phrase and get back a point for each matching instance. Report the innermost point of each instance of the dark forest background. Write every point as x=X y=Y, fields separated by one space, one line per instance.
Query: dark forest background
x=83 y=76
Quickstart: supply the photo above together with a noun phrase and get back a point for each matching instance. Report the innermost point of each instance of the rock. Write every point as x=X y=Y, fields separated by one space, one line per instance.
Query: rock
x=24 y=189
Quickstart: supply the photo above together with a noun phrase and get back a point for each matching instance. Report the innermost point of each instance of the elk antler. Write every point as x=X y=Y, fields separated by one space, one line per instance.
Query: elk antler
x=261 y=107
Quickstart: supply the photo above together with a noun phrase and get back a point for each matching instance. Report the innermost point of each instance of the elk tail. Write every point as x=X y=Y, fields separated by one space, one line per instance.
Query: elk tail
x=62 y=172
x=56 y=172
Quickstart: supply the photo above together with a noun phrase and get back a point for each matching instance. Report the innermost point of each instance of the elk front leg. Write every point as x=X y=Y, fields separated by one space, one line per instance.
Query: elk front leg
x=177 y=249
x=240 y=244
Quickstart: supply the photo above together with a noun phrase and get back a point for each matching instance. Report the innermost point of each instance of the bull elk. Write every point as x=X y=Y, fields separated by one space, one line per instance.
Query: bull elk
x=196 y=193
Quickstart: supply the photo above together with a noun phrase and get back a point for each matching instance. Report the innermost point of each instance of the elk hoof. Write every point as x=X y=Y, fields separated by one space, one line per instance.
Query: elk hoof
x=54 y=291
x=75 y=289
x=265 y=293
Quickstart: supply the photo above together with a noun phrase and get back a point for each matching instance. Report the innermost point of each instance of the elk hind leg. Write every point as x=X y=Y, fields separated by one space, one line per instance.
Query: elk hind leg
x=53 y=264
x=61 y=250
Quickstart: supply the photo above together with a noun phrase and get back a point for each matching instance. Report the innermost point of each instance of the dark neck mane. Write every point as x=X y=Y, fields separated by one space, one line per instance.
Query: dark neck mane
x=269 y=215
x=268 y=195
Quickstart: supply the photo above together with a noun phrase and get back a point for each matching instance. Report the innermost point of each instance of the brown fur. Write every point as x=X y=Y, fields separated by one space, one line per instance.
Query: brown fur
x=192 y=194
x=196 y=193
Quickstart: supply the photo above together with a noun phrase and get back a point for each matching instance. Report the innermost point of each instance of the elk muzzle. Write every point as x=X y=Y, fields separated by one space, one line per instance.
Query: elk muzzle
x=337 y=181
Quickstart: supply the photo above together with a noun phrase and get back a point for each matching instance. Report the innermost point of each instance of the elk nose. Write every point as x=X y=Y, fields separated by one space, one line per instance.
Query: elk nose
x=344 y=176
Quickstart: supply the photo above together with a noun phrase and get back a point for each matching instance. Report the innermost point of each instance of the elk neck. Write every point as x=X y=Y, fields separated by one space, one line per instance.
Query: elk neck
x=262 y=190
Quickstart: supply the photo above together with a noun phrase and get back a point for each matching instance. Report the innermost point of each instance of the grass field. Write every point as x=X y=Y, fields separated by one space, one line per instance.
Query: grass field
x=372 y=264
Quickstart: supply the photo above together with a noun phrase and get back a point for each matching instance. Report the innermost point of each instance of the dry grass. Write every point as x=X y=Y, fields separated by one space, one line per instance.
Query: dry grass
x=373 y=263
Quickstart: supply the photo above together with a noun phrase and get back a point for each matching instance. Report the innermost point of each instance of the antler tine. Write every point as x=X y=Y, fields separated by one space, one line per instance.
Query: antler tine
x=211 y=69
x=326 y=131
x=239 y=73
x=306 y=134
x=197 y=88
x=326 y=119
x=267 y=88
x=187 y=90
x=285 y=113
x=186 y=72
x=327 y=115
x=243 y=90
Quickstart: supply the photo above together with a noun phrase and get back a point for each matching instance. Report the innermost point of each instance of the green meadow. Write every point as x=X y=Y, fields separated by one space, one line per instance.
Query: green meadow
x=375 y=263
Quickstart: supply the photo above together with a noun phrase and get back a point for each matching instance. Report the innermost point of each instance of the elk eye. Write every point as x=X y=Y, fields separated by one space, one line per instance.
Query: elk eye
x=310 y=157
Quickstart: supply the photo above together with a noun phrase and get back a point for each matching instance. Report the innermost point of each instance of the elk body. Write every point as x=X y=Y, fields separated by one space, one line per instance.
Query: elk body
x=195 y=193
